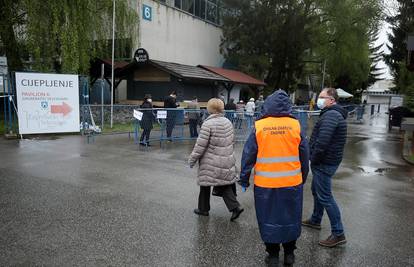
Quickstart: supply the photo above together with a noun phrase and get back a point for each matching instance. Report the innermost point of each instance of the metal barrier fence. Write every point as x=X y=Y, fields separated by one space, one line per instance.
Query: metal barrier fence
x=7 y=96
x=176 y=124
x=159 y=125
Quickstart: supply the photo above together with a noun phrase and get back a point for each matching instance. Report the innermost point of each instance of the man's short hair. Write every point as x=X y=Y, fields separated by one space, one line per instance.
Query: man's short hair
x=332 y=93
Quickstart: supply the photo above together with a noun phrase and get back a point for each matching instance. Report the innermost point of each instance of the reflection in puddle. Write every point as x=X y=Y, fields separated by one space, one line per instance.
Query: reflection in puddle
x=369 y=170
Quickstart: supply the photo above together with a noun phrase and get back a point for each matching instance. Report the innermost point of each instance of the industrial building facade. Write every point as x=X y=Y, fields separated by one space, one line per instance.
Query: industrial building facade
x=178 y=35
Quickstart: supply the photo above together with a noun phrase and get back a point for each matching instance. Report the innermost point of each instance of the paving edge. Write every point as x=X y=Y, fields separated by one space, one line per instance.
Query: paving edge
x=406 y=150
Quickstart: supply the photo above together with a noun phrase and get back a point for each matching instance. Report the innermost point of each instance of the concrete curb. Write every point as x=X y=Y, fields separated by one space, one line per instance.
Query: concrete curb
x=406 y=153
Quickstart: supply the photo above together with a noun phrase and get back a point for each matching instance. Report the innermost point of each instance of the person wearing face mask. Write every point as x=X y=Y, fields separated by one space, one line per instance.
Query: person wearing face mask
x=326 y=148
x=147 y=119
x=170 y=103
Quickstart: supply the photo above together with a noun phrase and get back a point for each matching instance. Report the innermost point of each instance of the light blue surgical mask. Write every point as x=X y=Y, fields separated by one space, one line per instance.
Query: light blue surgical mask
x=321 y=103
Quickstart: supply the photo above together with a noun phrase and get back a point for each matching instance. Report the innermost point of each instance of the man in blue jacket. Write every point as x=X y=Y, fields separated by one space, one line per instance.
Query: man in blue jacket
x=279 y=153
x=327 y=147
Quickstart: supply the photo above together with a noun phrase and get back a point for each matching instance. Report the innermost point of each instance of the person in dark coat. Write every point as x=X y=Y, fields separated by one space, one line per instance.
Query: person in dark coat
x=327 y=148
x=147 y=120
x=231 y=105
x=193 y=117
x=259 y=103
x=277 y=145
x=170 y=103
x=230 y=109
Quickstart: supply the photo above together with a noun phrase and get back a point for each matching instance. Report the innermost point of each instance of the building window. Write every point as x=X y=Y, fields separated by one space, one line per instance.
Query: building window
x=188 y=6
x=200 y=9
x=209 y=10
x=212 y=11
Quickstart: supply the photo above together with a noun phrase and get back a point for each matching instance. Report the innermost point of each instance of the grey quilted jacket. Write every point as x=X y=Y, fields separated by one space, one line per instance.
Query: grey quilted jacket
x=214 y=150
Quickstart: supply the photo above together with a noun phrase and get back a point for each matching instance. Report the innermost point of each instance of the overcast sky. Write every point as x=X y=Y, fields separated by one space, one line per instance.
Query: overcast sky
x=390 y=8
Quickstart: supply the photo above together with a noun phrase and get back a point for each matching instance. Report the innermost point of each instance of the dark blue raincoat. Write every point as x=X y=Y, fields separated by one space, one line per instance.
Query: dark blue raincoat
x=278 y=210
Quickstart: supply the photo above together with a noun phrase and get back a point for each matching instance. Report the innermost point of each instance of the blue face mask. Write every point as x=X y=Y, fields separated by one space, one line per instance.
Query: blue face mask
x=321 y=103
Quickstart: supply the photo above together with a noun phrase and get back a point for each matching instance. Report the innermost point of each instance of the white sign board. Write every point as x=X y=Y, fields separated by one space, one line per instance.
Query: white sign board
x=161 y=114
x=47 y=103
x=396 y=101
x=3 y=71
x=410 y=43
x=138 y=115
x=3 y=65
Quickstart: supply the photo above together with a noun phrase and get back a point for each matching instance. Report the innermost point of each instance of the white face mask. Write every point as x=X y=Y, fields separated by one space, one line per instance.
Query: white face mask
x=321 y=103
x=149 y=100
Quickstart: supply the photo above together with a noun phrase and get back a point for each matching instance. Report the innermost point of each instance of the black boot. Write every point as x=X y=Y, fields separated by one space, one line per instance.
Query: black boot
x=272 y=261
x=202 y=213
x=289 y=259
x=236 y=213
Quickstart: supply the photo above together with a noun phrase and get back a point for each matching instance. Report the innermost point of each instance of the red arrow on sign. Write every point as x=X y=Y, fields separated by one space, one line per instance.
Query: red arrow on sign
x=64 y=109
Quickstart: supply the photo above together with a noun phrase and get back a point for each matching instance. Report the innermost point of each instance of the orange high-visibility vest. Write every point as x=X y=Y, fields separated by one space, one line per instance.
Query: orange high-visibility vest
x=278 y=163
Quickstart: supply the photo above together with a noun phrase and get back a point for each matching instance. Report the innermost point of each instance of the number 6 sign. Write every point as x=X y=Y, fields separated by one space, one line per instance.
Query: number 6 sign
x=147 y=12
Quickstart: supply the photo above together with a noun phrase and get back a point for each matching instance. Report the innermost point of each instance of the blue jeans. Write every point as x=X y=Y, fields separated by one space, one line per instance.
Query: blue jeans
x=323 y=198
x=249 y=119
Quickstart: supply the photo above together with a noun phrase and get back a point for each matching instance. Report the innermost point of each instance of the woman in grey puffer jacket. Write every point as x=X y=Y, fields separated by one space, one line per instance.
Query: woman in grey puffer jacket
x=214 y=151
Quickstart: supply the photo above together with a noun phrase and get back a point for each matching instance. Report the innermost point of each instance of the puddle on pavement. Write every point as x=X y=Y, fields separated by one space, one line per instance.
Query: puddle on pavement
x=357 y=139
x=42 y=138
x=370 y=170
x=393 y=139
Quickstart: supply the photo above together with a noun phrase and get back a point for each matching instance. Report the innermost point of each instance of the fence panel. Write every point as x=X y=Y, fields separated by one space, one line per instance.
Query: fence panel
x=8 y=97
x=161 y=125
x=183 y=124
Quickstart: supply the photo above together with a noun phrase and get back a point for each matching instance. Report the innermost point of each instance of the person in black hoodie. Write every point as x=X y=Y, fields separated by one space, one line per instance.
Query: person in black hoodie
x=230 y=105
x=230 y=109
x=326 y=149
x=170 y=103
x=147 y=120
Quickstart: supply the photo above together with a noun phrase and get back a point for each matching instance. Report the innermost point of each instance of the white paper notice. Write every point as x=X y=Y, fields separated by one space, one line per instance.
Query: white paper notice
x=161 y=114
x=138 y=115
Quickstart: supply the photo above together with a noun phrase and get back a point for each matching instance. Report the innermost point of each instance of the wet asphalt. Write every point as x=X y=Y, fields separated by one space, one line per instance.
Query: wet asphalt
x=64 y=202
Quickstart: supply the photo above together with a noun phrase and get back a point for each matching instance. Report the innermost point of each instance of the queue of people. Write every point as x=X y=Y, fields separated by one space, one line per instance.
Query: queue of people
x=277 y=154
x=242 y=112
x=237 y=113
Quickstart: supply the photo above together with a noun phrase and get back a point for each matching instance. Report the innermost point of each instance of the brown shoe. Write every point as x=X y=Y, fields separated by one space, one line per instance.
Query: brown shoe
x=310 y=224
x=333 y=241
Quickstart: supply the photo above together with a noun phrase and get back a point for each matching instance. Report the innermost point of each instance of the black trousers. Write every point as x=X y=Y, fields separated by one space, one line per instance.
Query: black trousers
x=193 y=127
x=145 y=135
x=170 y=128
x=170 y=122
x=228 y=196
x=274 y=248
